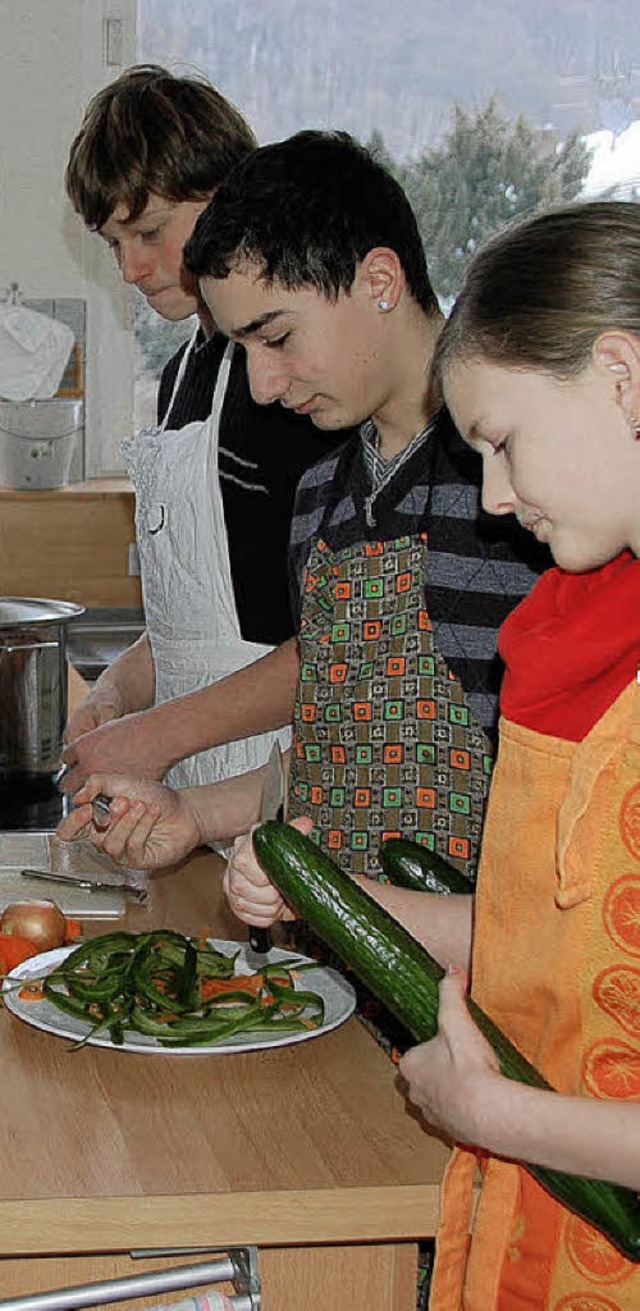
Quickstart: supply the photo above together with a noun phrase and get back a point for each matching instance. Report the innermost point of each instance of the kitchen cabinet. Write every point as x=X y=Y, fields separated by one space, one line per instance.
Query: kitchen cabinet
x=309 y=1152
x=71 y=543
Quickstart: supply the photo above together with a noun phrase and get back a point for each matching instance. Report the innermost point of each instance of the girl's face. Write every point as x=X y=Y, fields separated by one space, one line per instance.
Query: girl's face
x=558 y=454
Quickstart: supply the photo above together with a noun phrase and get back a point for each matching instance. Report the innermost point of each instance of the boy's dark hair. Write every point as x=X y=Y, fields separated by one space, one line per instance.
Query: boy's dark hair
x=150 y=131
x=306 y=211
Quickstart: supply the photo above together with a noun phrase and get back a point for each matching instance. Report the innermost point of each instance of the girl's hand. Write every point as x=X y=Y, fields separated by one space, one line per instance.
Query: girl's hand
x=455 y=1078
x=251 y=895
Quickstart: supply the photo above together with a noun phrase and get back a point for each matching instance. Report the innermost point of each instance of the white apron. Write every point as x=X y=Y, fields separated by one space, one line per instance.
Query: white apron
x=189 y=603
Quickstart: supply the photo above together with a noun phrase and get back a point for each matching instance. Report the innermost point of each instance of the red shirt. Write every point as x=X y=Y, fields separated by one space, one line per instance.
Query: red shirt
x=571 y=647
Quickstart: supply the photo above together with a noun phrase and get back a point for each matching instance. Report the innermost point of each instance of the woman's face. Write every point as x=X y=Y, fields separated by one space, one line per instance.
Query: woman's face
x=559 y=454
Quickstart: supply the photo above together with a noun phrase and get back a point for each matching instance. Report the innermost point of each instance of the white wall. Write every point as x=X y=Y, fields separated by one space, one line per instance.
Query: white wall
x=52 y=59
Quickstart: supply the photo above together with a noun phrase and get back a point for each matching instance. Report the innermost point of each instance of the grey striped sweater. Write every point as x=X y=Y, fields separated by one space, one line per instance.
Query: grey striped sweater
x=479 y=567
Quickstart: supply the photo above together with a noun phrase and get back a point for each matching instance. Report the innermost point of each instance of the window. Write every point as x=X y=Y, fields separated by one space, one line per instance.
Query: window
x=483 y=114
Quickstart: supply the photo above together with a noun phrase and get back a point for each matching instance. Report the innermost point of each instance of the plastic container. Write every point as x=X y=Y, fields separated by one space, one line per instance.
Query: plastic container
x=37 y=442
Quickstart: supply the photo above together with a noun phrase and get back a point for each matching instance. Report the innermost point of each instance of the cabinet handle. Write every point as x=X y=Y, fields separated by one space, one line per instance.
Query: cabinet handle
x=12 y=648
x=134 y=1286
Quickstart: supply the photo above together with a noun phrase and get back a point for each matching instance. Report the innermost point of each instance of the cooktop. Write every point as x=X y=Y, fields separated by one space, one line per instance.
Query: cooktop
x=30 y=804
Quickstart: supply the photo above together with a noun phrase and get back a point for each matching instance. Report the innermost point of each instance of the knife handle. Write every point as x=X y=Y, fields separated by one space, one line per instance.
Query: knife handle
x=259 y=939
x=100 y=812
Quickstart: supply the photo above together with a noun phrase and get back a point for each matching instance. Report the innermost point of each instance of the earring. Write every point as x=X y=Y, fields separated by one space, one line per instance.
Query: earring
x=384 y=305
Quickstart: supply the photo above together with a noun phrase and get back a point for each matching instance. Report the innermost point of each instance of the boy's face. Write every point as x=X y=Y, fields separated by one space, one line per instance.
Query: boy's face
x=325 y=358
x=148 y=252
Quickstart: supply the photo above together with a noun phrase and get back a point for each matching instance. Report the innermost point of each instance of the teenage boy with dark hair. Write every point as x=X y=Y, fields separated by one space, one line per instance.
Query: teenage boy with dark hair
x=215 y=482
x=309 y=256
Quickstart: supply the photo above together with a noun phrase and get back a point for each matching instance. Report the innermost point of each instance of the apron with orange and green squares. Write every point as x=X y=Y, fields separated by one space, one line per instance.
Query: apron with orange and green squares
x=384 y=742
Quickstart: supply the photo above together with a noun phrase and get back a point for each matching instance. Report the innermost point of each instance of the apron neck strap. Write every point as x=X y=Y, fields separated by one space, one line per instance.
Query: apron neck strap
x=182 y=368
x=223 y=378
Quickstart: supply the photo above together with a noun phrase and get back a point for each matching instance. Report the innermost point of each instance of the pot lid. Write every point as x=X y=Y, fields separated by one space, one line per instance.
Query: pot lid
x=15 y=611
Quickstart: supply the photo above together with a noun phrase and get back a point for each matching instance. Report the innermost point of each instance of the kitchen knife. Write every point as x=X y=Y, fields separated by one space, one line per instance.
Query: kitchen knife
x=100 y=811
x=271 y=807
x=92 y=885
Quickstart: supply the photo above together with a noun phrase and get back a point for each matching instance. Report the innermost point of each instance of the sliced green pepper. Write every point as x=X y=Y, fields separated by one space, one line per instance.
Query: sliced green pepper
x=150 y=983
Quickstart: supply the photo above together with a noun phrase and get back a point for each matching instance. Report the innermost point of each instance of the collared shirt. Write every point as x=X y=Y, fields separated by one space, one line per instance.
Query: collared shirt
x=381 y=469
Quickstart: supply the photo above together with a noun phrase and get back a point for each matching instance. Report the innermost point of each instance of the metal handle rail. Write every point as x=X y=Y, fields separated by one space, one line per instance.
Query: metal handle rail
x=13 y=647
x=238 y=1268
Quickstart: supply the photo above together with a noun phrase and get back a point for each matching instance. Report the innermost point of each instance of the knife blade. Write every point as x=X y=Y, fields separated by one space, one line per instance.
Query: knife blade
x=271 y=807
x=78 y=881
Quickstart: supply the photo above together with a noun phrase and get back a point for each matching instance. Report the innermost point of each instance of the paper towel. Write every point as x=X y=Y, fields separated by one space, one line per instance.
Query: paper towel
x=34 y=351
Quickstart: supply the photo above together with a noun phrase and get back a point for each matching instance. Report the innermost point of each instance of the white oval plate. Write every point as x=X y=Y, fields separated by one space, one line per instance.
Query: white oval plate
x=338 y=996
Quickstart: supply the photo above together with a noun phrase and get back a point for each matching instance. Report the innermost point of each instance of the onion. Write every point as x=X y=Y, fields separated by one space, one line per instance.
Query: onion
x=42 y=922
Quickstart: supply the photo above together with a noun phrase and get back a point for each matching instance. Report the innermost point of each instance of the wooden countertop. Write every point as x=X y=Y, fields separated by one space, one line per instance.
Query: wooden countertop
x=308 y=1143
x=90 y=489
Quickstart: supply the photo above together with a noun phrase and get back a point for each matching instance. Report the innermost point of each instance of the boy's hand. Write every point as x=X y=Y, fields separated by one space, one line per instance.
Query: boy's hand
x=455 y=1079
x=100 y=707
x=150 y=825
x=126 y=743
x=251 y=895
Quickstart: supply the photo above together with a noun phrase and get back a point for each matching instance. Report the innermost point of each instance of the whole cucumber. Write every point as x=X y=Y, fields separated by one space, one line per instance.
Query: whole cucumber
x=412 y=865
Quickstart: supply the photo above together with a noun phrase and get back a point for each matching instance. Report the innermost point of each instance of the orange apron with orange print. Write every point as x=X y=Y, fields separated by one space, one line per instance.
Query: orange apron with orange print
x=557 y=964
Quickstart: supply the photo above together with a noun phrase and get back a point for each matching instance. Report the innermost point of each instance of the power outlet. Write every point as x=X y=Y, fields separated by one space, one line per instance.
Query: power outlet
x=112 y=42
x=133 y=561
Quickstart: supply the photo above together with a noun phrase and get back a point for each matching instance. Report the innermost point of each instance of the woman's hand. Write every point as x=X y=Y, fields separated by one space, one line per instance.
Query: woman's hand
x=455 y=1079
x=150 y=825
x=251 y=895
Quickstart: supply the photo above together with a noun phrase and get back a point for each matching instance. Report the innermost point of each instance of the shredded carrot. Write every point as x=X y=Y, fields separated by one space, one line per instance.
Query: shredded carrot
x=13 y=950
x=241 y=982
x=32 y=992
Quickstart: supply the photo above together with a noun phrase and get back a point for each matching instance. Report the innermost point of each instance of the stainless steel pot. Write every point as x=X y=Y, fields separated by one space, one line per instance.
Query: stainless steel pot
x=33 y=685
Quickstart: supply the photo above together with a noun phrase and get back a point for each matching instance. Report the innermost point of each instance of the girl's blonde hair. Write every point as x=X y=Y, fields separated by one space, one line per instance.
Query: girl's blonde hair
x=540 y=294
